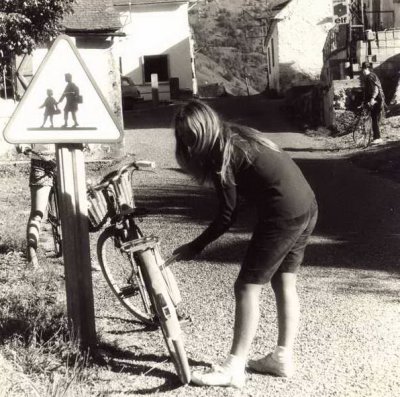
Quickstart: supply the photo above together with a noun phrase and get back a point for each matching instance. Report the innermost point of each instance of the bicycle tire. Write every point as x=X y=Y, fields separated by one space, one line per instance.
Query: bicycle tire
x=166 y=313
x=362 y=131
x=53 y=215
x=117 y=269
x=368 y=130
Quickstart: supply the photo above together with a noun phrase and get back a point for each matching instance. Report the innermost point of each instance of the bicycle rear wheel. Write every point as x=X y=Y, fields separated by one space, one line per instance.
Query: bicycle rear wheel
x=53 y=215
x=362 y=131
x=166 y=313
x=124 y=277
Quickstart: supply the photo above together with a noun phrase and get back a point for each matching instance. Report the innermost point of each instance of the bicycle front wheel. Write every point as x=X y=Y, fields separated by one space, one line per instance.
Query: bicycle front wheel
x=124 y=277
x=53 y=216
x=166 y=313
x=362 y=132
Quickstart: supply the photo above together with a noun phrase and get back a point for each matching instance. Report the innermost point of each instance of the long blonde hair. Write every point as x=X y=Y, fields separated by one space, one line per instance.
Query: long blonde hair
x=214 y=143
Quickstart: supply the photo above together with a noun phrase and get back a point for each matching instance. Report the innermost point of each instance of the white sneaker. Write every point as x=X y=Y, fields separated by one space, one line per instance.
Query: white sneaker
x=269 y=365
x=218 y=376
x=377 y=141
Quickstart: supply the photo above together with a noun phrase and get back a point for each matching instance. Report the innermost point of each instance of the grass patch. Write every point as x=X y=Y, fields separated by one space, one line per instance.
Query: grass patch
x=38 y=356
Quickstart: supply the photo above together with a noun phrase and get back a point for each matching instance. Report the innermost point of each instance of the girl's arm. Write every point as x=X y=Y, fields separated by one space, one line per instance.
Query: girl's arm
x=227 y=211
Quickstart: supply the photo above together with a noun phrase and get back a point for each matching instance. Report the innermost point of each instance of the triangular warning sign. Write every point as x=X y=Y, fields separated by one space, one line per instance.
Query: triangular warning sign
x=63 y=103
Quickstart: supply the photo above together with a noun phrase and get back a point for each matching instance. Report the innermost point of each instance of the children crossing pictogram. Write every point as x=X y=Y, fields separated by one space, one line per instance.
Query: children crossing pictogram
x=63 y=103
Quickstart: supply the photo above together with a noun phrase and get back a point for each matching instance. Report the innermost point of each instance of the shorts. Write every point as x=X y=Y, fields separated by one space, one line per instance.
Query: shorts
x=277 y=247
x=42 y=173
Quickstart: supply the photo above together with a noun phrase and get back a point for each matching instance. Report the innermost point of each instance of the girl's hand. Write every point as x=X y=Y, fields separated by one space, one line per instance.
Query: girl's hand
x=186 y=252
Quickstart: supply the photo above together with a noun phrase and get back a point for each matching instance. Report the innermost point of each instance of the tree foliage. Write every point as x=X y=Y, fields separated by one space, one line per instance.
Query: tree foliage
x=26 y=23
x=234 y=37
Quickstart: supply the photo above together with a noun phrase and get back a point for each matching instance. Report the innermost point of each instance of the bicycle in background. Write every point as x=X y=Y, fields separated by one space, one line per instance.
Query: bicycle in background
x=53 y=212
x=362 y=127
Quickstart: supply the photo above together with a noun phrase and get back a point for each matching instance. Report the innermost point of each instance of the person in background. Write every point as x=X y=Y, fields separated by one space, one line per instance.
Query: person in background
x=374 y=97
x=43 y=168
x=239 y=160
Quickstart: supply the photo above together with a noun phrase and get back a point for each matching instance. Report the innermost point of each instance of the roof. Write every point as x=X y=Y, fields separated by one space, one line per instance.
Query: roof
x=144 y=2
x=278 y=6
x=93 y=15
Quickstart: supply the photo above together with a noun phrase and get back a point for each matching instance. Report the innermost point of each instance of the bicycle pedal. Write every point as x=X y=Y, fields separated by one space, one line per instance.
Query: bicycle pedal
x=184 y=319
x=128 y=291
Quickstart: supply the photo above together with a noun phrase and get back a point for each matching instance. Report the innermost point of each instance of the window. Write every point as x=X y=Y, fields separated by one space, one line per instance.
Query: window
x=155 y=64
x=273 y=52
x=269 y=60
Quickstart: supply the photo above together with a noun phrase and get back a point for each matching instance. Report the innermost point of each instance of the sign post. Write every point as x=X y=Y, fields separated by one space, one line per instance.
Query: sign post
x=75 y=243
x=86 y=118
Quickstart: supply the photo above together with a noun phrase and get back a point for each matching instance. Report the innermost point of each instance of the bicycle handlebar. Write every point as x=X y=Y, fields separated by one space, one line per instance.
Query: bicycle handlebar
x=136 y=165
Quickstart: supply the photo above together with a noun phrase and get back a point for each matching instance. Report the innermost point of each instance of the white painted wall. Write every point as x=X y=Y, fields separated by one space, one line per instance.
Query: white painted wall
x=6 y=109
x=302 y=33
x=156 y=29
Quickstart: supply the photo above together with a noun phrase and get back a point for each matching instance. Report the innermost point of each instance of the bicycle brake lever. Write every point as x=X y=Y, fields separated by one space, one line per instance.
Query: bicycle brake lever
x=146 y=164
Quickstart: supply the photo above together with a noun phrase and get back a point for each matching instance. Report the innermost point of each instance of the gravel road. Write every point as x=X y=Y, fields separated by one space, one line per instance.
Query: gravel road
x=349 y=286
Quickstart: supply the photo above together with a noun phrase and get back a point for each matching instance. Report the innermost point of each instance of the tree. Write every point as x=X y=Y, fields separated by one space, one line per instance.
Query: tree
x=26 y=23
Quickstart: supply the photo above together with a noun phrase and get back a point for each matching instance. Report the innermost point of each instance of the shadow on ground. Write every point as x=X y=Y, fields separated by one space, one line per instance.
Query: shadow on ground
x=257 y=111
x=127 y=362
x=358 y=224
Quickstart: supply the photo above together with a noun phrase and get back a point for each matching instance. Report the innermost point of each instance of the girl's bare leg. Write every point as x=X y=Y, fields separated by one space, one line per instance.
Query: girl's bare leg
x=246 y=317
x=39 y=200
x=288 y=308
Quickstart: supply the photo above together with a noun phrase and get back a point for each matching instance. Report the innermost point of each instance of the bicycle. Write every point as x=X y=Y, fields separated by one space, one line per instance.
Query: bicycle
x=131 y=262
x=362 y=127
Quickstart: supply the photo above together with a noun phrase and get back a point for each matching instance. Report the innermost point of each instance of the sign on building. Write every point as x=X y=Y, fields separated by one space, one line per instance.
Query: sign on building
x=340 y=12
x=63 y=103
